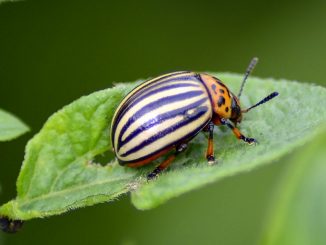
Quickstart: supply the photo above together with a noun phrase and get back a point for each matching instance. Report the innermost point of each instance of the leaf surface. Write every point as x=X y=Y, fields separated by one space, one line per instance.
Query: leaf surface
x=60 y=172
x=282 y=124
x=10 y=126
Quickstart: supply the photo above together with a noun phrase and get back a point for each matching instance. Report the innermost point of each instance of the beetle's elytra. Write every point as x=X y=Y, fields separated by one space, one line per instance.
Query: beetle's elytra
x=166 y=112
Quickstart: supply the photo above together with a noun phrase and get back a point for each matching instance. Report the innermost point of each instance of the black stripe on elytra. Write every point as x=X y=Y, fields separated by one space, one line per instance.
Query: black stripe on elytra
x=157 y=104
x=153 y=80
x=159 y=119
x=135 y=97
x=165 y=132
x=184 y=139
x=207 y=90
x=158 y=90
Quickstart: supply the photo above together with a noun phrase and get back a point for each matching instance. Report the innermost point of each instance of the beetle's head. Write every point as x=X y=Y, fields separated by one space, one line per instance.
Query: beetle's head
x=236 y=113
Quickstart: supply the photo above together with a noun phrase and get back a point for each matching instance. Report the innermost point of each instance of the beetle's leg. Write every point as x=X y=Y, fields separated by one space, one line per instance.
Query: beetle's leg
x=210 y=148
x=237 y=133
x=167 y=162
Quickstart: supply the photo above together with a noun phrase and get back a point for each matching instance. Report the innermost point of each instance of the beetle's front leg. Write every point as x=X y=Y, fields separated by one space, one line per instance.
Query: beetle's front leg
x=237 y=133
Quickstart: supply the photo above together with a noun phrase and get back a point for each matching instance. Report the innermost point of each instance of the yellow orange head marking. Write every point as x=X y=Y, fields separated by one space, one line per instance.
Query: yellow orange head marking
x=220 y=96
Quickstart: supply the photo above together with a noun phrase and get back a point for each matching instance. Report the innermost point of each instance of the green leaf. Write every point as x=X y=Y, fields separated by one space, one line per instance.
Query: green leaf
x=281 y=125
x=298 y=213
x=10 y=126
x=59 y=173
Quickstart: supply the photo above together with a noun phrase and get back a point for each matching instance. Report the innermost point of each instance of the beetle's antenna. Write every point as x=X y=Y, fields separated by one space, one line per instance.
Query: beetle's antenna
x=267 y=98
x=251 y=66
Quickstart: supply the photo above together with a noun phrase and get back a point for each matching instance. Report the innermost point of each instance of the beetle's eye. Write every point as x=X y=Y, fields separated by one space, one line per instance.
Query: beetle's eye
x=236 y=111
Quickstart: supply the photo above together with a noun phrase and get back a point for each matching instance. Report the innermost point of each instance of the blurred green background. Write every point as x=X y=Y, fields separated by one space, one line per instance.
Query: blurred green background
x=54 y=52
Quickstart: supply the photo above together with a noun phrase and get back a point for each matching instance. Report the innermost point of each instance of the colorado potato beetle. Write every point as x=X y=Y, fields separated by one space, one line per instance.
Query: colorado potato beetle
x=165 y=113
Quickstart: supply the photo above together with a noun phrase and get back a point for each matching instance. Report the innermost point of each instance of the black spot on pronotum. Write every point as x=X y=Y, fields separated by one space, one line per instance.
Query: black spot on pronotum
x=222 y=91
x=221 y=101
x=227 y=109
x=10 y=226
x=222 y=85
x=214 y=88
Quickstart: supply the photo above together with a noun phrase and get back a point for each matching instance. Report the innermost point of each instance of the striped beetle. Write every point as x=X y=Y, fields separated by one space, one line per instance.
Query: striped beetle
x=166 y=112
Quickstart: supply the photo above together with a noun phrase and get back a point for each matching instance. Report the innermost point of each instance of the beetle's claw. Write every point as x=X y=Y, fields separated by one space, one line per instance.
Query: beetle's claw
x=252 y=141
x=151 y=176
x=211 y=160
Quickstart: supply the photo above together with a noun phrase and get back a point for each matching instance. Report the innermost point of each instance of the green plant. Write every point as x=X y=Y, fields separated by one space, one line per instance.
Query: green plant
x=10 y=126
x=297 y=212
x=60 y=171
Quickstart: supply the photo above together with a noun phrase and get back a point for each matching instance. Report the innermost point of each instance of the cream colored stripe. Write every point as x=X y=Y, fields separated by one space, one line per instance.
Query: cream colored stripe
x=153 y=88
x=151 y=131
x=145 y=102
x=156 y=79
x=160 y=110
x=168 y=139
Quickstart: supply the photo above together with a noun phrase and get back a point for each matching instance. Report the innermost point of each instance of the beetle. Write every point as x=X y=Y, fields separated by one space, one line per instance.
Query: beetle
x=166 y=112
